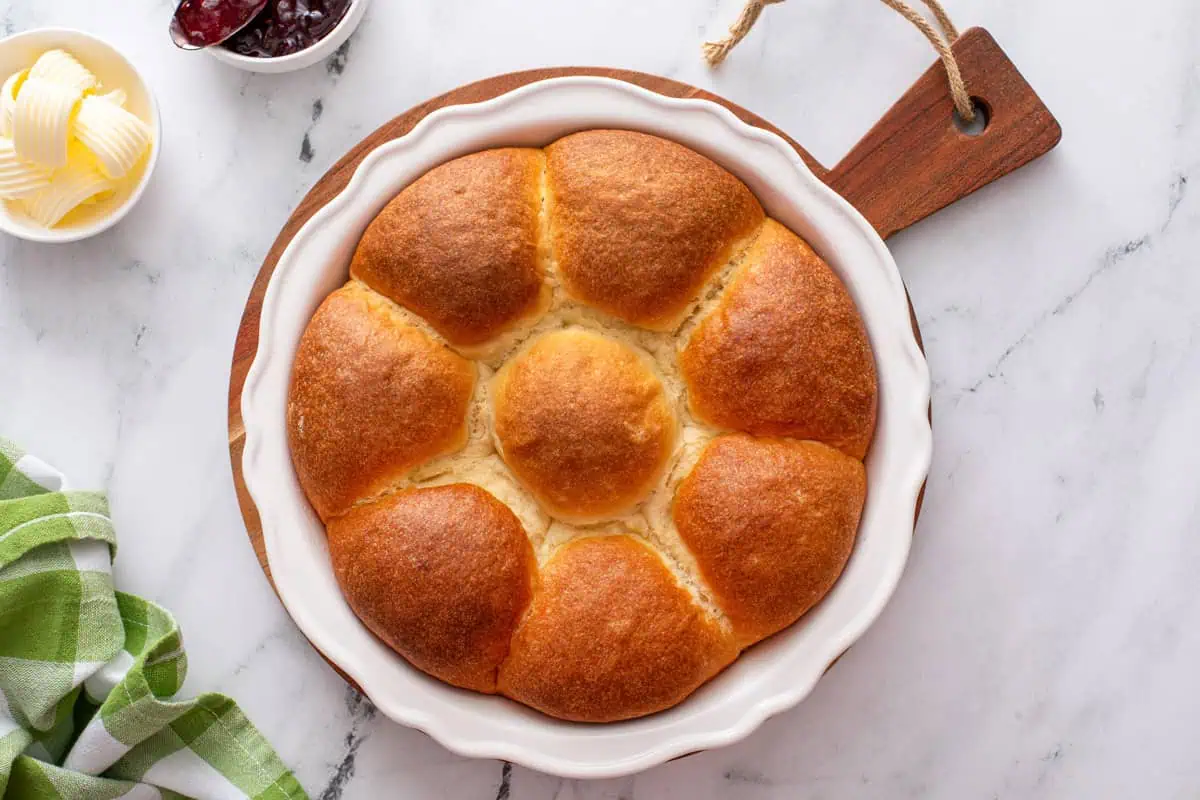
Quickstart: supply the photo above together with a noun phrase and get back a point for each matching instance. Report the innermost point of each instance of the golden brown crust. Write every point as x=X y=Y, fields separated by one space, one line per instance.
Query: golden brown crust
x=371 y=397
x=771 y=523
x=441 y=575
x=459 y=246
x=635 y=226
x=785 y=352
x=583 y=422
x=639 y=223
x=611 y=635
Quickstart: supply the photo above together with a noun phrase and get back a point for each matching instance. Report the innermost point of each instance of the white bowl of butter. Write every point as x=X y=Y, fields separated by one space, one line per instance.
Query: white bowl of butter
x=80 y=135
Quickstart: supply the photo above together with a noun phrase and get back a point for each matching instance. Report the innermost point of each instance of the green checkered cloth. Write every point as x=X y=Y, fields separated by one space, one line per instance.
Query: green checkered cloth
x=87 y=673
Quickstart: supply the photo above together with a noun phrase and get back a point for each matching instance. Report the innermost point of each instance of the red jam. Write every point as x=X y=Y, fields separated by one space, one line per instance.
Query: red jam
x=288 y=26
x=203 y=23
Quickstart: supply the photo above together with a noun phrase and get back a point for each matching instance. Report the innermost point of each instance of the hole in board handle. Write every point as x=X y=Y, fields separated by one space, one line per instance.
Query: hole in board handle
x=983 y=115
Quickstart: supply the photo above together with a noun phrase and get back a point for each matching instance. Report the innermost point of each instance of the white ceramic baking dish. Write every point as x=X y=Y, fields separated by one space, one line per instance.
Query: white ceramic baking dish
x=770 y=677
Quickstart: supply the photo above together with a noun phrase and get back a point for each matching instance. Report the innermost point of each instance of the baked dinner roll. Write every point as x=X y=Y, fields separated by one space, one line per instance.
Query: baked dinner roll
x=459 y=246
x=442 y=575
x=583 y=423
x=611 y=635
x=639 y=223
x=771 y=523
x=557 y=529
x=784 y=353
x=371 y=397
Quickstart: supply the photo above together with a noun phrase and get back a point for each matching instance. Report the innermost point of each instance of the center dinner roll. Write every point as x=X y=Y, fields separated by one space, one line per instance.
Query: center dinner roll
x=584 y=424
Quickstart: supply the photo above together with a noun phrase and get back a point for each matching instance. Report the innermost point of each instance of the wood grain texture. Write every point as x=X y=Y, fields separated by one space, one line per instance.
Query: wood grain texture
x=914 y=151
x=916 y=161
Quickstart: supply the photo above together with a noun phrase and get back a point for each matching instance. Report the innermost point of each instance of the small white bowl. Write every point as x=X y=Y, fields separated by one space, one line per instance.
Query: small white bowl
x=115 y=71
x=306 y=57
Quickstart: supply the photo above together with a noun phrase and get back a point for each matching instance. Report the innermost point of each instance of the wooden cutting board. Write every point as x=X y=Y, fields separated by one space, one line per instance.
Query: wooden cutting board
x=913 y=162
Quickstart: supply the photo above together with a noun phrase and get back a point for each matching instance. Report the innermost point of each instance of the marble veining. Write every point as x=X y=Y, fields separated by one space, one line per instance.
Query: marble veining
x=1042 y=642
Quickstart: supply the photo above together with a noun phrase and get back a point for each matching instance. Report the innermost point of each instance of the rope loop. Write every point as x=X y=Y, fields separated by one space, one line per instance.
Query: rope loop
x=942 y=41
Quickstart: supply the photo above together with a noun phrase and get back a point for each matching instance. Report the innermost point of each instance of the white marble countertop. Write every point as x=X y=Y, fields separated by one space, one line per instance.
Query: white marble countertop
x=1042 y=642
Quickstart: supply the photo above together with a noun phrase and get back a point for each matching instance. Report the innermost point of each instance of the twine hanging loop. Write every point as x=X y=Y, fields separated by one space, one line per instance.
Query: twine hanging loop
x=715 y=52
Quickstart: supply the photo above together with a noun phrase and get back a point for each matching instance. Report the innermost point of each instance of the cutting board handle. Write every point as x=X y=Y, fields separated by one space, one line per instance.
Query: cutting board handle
x=916 y=159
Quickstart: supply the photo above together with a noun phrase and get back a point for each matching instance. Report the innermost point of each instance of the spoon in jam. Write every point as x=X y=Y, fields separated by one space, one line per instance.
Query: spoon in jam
x=204 y=23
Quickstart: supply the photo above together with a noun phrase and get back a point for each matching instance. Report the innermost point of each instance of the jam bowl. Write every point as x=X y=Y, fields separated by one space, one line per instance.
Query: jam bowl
x=316 y=50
